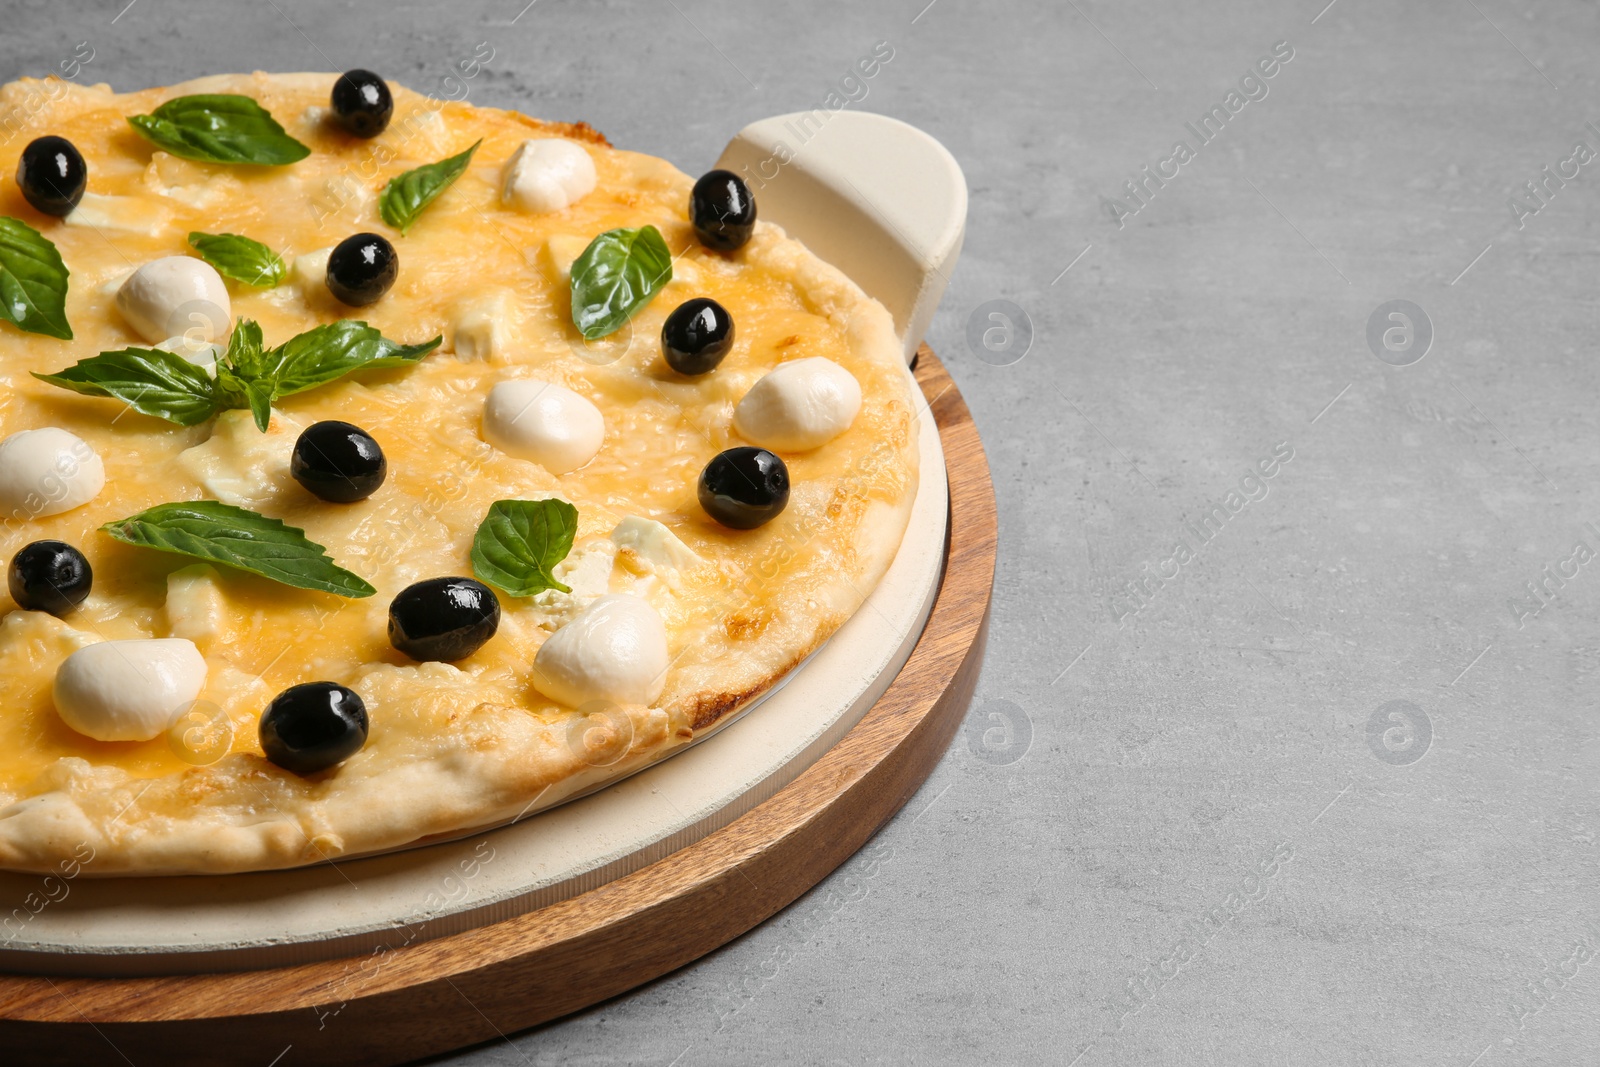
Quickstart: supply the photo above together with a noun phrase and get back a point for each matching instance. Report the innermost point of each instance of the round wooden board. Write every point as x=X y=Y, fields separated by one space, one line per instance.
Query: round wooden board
x=443 y=994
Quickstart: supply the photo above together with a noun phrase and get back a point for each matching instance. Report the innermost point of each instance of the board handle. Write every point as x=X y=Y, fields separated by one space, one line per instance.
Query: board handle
x=876 y=197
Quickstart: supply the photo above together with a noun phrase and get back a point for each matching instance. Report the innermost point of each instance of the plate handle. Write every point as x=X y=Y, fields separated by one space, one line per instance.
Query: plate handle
x=876 y=197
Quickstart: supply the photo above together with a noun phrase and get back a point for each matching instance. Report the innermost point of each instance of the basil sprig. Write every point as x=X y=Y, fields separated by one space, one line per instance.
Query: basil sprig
x=249 y=375
x=405 y=197
x=240 y=258
x=33 y=281
x=617 y=274
x=242 y=539
x=519 y=543
x=219 y=128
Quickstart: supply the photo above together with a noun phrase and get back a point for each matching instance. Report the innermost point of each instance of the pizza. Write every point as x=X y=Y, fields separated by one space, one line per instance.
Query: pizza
x=376 y=469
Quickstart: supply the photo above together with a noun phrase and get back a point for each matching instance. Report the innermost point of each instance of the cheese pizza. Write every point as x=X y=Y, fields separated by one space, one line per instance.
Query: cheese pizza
x=375 y=469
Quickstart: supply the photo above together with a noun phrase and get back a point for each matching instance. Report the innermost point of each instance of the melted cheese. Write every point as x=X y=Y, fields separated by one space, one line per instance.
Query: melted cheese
x=500 y=298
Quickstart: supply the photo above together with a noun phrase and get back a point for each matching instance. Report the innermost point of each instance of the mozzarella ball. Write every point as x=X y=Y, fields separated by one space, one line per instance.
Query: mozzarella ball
x=128 y=690
x=545 y=422
x=48 y=471
x=176 y=296
x=615 y=649
x=799 y=406
x=547 y=175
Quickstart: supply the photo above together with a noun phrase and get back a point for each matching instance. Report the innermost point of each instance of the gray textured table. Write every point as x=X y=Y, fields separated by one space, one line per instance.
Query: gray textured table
x=1318 y=788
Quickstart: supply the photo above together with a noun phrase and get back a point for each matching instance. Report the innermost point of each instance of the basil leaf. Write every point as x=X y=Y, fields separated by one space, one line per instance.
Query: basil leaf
x=148 y=380
x=33 y=281
x=325 y=353
x=240 y=258
x=244 y=540
x=616 y=276
x=519 y=543
x=219 y=128
x=405 y=197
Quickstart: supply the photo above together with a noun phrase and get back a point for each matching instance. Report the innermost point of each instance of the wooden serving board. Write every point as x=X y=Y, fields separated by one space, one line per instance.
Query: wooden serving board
x=442 y=994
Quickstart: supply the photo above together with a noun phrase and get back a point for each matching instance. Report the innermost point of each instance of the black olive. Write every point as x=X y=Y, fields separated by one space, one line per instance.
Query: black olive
x=49 y=576
x=362 y=268
x=311 y=727
x=52 y=175
x=443 y=619
x=696 y=336
x=744 y=487
x=722 y=210
x=362 y=103
x=338 y=462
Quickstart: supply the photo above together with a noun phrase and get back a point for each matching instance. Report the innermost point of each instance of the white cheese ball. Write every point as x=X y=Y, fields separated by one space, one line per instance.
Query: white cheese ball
x=176 y=296
x=548 y=174
x=128 y=690
x=48 y=471
x=799 y=406
x=545 y=422
x=615 y=649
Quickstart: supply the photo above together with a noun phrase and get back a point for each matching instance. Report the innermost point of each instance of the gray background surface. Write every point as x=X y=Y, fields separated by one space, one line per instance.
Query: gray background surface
x=1126 y=774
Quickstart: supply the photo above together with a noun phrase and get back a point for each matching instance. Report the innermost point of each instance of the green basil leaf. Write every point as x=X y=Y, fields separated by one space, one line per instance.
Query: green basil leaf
x=148 y=380
x=219 y=128
x=405 y=197
x=235 y=537
x=245 y=346
x=617 y=274
x=33 y=281
x=240 y=258
x=325 y=353
x=519 y=543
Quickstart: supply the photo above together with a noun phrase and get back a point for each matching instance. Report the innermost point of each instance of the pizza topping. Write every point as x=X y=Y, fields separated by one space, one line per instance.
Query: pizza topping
x=362 y=103
x=239 y=538
x=128 y=690
x=361 y=269
x=240 y=258
x=48 y=471
x=722 y=210
x=616 y=275
x=444 y=619
x=652 y=542
x=311 y=727
x=548 y=423
x=129 y=214
x=52 y=175
x=176 y=295
x=519 y=543
x=33 y=281
x=203 y=354
x=338 y=462
x=696 y=336
x=195 y=607
x=799 y=405
x=615 y=650
x=744 y=487
x=49 y=576
x=154 y=381
x=310 y=270
x=408 y=195
x=219 y=128
x=485 y=325
x=548 y=174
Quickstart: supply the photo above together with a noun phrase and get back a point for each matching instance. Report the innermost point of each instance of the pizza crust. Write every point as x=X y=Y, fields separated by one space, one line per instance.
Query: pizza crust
x=453 y=749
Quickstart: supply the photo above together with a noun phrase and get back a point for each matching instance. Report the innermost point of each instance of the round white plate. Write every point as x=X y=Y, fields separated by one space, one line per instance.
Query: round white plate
x=360 y=907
